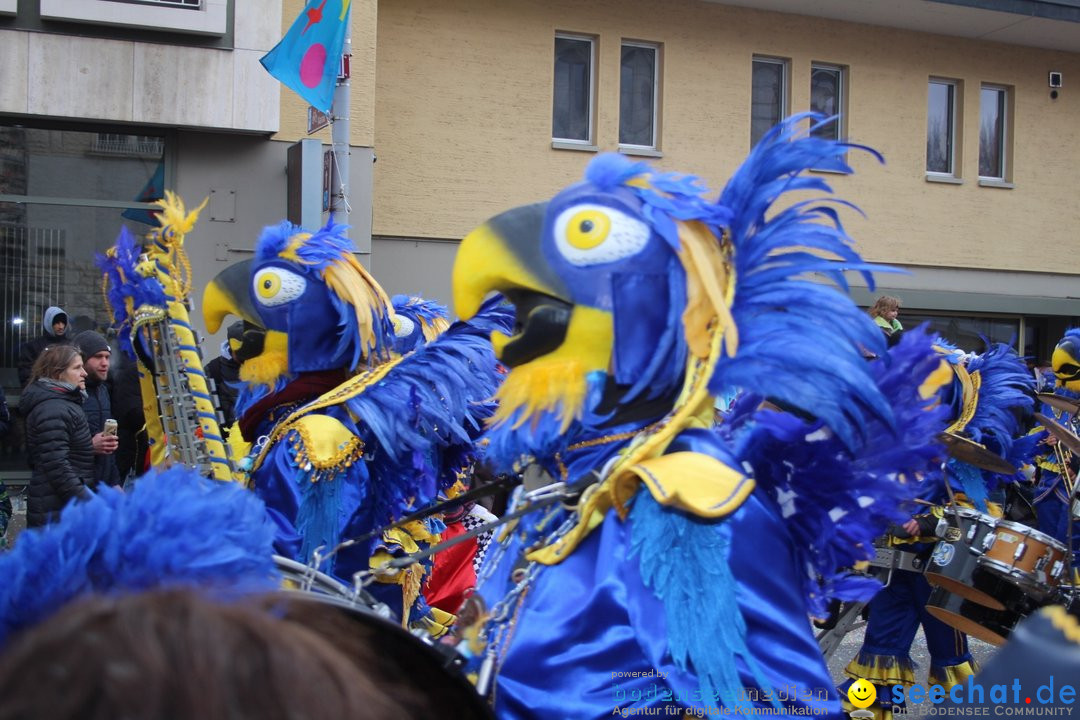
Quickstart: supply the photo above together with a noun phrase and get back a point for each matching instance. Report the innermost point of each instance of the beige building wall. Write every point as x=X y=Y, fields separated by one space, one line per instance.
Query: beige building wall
x=462 y=120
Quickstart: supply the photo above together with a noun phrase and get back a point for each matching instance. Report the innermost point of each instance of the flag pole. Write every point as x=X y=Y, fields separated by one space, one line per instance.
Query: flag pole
x=339 y=137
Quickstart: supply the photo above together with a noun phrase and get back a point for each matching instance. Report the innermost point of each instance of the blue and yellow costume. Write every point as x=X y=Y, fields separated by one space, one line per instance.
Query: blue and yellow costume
x=347 y=434
x=983 y=399
x=1057 y=465
x=684 y=575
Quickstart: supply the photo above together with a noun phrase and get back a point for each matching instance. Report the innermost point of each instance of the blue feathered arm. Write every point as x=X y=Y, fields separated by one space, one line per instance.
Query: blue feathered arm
x=799 y=340
x=836 y=500
x=174 y=528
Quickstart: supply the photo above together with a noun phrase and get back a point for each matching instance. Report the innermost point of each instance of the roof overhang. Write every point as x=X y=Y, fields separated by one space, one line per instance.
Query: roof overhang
x=1048 y=24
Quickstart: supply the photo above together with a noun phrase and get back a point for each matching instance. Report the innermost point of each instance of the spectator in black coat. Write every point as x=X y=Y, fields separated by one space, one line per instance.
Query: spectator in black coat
x=58 y=443
x=55 y=323
x=96 y=355
x=225 y=370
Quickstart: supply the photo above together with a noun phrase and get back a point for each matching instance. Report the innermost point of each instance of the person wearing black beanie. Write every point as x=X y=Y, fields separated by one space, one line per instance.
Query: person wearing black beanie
x=97 y=356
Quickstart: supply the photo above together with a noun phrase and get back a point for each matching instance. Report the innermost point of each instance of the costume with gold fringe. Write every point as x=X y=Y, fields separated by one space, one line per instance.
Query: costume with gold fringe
x=345 y=434
x=984 y=398
x=683 y=576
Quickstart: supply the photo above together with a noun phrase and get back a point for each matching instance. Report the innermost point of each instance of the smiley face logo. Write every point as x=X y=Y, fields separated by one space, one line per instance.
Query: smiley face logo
x=862 y=693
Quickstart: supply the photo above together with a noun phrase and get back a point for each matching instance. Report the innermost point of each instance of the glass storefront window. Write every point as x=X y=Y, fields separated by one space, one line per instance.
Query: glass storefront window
x=967 y=332
x=64 y=195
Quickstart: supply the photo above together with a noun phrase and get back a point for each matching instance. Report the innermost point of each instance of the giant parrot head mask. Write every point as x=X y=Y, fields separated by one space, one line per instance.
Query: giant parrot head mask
x=307 y=305
x=634 y=290
x=606 y=280
x=1066 y=360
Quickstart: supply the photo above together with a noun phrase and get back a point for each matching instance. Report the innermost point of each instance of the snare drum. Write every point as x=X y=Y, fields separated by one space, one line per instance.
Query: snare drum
x=1025 y=557
x=954 y=562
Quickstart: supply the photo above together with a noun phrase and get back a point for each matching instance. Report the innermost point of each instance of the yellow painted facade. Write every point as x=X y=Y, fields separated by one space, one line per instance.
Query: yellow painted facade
x=461 y=118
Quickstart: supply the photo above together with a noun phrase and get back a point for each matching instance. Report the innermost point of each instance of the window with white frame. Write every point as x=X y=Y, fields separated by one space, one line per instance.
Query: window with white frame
x=827 y=98
x=183 y=16
x=768 y=95
x=941 y=129
x=993 y=129
x=639 y=83
x=572 y=105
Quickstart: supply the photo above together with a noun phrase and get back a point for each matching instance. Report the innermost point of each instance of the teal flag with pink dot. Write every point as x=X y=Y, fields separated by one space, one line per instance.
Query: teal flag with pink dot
x=307 y=59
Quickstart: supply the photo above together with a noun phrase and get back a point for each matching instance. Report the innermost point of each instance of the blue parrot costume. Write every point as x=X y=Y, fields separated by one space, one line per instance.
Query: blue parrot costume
x=347 y=435
x=1057 y=468
x=683 y=575
x=984 y=398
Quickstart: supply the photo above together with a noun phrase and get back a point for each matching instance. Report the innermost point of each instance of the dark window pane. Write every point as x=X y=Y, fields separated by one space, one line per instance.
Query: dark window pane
x=825 y=99
x=939 y=128
x=637 y=92
x=967 y=333
x=69 y=164
x=573 y=76
x=992 y=133
x=766 y=98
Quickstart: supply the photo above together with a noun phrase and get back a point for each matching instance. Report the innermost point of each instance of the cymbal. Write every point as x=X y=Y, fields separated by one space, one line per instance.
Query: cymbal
x=1067 y=437
x=1069 y=405
x=975 y=454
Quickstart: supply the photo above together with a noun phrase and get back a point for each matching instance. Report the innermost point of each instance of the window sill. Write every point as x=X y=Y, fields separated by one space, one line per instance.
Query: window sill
x=945 y=179
x=210 y=19
x=569 y=145
x=9 y=7
x=640 y=151
x=994 y=183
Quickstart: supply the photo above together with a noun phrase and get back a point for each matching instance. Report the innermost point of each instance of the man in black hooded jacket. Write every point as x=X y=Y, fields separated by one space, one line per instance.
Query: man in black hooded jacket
x=55 y=323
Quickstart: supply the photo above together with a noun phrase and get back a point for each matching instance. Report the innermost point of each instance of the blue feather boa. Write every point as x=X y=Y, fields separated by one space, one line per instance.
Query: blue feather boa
x=174 y=529
x=837 y=500
x=123 y=281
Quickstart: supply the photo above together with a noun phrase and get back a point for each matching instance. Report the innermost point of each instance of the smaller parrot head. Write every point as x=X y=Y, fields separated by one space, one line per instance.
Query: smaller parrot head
x=1066 y=360
x=307 y=305
x=416 y=321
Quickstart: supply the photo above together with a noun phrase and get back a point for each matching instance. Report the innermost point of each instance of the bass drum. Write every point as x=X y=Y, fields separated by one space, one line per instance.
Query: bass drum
x=421 y=673
x=978 y=621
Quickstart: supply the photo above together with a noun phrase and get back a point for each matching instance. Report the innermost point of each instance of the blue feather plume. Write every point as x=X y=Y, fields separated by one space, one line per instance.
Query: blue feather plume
x=174 y=528
x=799 y=340
x=123 y=281
x=835 y=499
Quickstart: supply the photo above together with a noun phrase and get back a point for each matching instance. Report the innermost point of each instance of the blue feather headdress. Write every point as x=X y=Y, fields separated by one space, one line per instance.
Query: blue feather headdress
x=798 y=340
x=364 y=314
x=126 y=289
x=174 y=528
x=417 y=321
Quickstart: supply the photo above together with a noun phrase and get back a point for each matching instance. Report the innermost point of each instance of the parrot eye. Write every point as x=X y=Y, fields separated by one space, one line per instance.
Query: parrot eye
x=403 y=326
x=593 y=234
x=277 y=286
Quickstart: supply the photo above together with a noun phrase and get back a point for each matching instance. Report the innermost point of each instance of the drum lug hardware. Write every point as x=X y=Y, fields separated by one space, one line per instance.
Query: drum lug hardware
x=1019 y=552
x=916 y=563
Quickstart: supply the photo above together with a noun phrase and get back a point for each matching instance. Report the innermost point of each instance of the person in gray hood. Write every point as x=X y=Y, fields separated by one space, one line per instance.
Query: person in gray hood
x=55 y=323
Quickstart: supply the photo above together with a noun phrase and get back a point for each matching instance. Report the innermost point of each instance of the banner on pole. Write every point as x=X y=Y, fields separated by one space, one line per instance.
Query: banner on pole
x=308 y=58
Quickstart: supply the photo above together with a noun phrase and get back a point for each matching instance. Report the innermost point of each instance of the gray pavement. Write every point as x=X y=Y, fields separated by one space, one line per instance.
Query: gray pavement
x=851 y=643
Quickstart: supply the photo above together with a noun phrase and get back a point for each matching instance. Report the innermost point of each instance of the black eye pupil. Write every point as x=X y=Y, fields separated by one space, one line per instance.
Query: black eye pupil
x=267 y=284
x=586 y=226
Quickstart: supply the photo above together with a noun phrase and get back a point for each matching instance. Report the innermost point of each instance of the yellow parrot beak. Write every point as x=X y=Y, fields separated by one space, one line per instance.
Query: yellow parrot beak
x=228 y=294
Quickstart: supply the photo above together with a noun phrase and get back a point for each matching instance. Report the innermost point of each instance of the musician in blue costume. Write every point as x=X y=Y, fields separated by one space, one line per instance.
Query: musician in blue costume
x=683 y=574
x=346 y=434
x=985 y=397
x=1056 y=476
